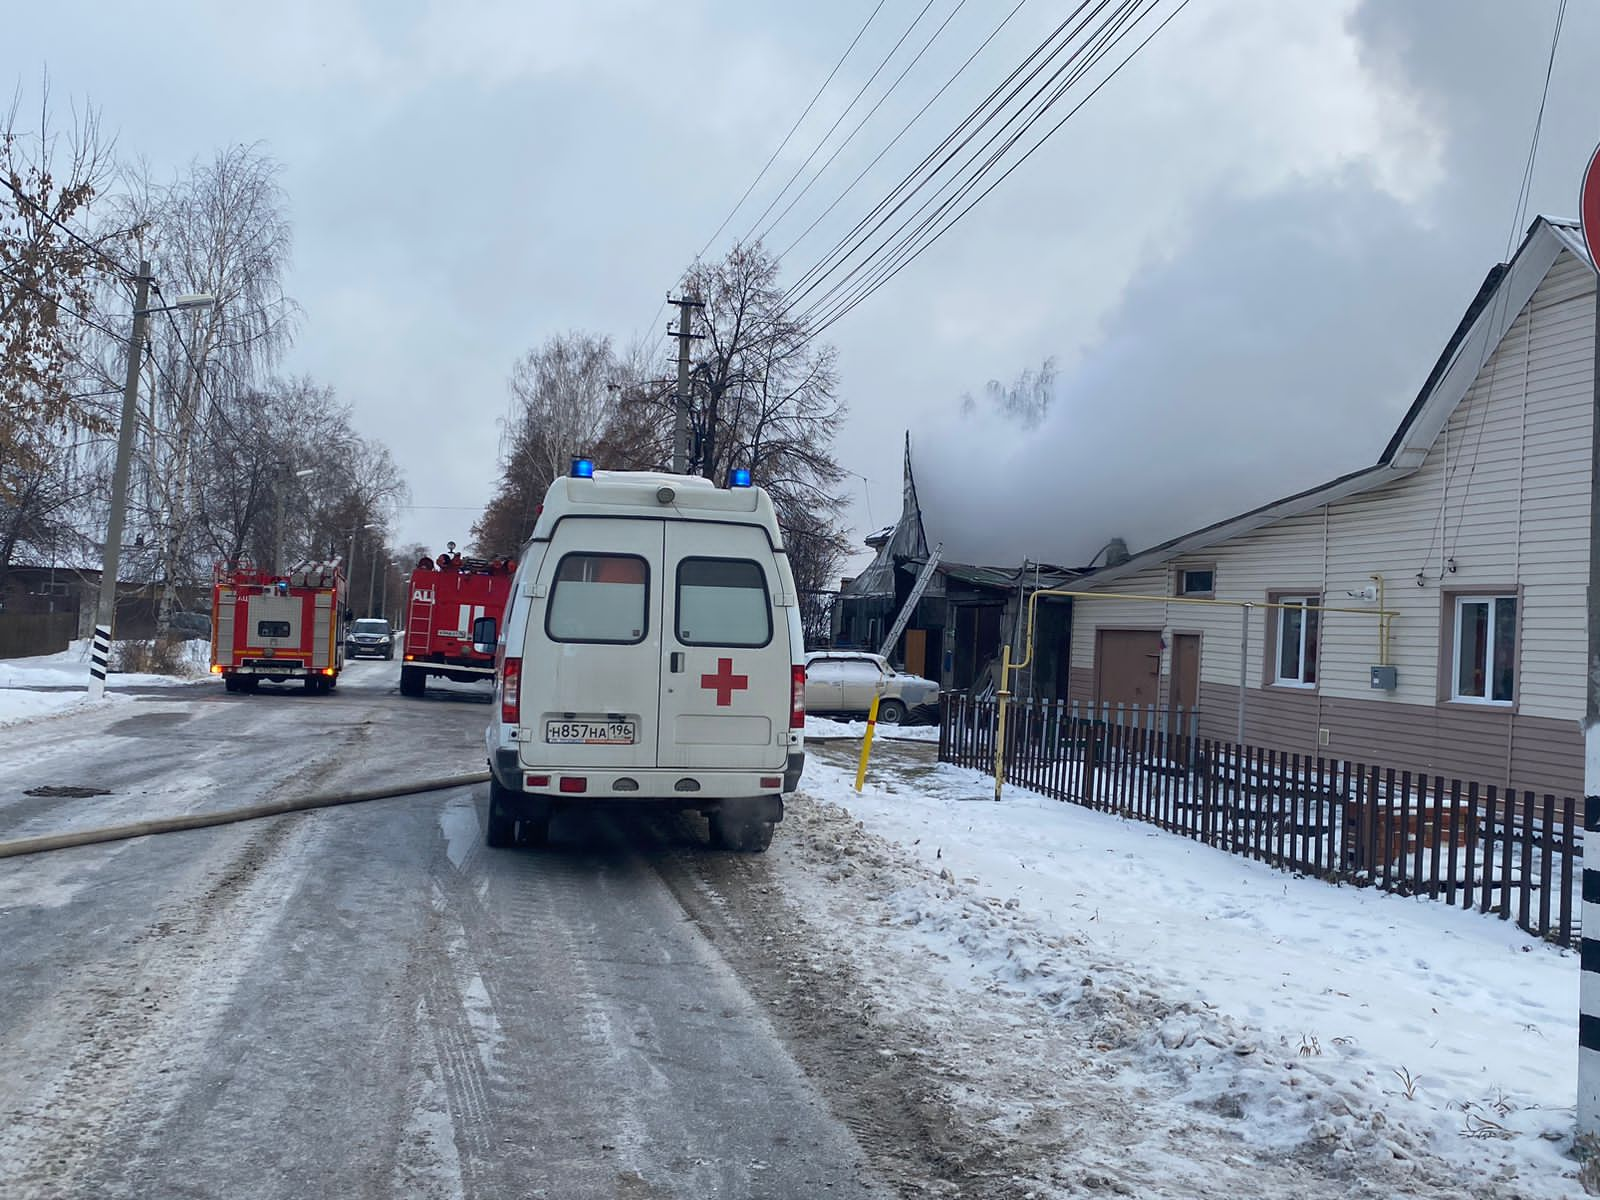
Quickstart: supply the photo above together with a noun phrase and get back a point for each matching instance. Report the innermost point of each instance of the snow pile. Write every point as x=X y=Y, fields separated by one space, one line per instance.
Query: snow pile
x=18 y=706
x=1300 y=1017
x=822 y=727
x=70 y=668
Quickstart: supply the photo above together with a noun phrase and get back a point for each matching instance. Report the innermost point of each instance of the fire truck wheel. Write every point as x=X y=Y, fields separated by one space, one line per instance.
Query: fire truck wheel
x=247 y=683
x=231 y=682
x=412 y=681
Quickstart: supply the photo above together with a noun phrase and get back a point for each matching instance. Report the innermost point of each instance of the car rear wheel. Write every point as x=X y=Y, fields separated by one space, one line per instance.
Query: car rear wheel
x=891 y=712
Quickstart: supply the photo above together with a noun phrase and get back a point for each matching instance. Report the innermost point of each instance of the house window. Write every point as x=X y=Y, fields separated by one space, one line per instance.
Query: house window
x=1297 y=642
x=1197 y=581
x=1485 y=650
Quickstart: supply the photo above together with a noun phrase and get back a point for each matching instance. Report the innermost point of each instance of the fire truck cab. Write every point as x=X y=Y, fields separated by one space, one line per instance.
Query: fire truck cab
x=278 y=628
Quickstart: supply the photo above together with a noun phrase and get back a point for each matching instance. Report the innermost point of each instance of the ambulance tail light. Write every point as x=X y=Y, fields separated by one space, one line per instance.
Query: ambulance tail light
x=797 y=697
x=511 y=692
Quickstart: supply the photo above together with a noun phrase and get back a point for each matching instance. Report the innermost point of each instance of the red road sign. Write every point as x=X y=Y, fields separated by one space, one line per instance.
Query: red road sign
x=1589 y=207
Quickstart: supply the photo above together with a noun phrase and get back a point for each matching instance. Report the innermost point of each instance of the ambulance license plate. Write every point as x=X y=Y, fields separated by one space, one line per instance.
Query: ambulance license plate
x=591 y=733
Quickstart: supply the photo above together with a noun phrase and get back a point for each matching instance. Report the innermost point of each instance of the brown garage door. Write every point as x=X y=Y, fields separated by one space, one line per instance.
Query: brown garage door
x=1127 y=666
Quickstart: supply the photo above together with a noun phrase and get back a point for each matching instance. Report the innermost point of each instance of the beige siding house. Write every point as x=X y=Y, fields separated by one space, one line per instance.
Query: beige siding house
x=1471 y=532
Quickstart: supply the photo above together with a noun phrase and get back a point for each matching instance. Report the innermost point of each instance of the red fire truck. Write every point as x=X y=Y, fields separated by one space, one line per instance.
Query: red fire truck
x=444 y=598
x=277 y=627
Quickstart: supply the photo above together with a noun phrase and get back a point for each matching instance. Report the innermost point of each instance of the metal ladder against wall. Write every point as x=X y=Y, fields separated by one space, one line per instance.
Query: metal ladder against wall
x=910 y=606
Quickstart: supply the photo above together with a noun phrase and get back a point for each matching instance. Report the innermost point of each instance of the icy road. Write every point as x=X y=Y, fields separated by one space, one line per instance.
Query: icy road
x=367 y=1002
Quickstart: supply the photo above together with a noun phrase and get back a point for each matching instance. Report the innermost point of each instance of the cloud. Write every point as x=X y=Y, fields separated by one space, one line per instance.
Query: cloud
x=1269 y=327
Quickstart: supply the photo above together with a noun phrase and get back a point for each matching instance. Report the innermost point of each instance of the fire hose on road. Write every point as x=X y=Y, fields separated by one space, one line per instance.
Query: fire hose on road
x=254 y=812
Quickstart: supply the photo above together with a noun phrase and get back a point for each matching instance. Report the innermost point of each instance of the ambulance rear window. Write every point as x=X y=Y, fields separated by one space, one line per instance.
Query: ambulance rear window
x=598 y=598
x=723 y=602
x=272 y=629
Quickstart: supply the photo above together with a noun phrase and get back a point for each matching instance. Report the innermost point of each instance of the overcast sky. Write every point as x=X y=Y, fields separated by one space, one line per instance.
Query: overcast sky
x=1244 y=253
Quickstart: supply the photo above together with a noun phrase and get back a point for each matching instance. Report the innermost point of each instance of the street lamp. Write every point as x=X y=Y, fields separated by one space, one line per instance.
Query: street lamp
x=372 y=581
x=351 y=561
x=277 y=520
x=106 y=614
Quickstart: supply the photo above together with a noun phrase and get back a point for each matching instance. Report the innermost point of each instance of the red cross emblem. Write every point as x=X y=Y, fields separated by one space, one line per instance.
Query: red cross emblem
x=725 y=683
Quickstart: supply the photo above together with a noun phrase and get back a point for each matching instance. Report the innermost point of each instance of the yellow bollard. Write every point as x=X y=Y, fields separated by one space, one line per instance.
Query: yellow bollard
x=1002 y=695
x=866 y=742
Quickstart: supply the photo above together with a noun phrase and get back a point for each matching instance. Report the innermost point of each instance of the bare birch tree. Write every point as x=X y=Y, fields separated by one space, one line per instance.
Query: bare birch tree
x=219 y=228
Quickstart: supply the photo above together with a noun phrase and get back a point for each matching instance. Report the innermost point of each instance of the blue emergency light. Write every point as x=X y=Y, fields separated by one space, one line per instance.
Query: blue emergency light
x=739 y=477
x=583 y=468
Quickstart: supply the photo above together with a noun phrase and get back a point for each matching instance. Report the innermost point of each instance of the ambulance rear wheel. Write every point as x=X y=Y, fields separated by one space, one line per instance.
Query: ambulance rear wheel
x=534 y=830
x=735 y=831
x=501 y=831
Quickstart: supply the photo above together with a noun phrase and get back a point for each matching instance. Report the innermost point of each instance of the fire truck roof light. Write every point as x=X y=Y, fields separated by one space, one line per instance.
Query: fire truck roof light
x=739 y=477
x=583 y=468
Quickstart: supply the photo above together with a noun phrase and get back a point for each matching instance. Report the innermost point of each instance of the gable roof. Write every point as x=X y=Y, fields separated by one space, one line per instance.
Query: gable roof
x=1504 y=293
x=904 y=540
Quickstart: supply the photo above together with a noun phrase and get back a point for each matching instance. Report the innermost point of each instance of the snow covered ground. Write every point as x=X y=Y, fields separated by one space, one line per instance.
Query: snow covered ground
x=822 y=727
x=1308 y=1019
x=70 y=668
x=19 y=677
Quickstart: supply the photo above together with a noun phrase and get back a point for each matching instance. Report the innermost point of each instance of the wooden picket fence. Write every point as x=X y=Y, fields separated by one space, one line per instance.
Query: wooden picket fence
x=1502 y=850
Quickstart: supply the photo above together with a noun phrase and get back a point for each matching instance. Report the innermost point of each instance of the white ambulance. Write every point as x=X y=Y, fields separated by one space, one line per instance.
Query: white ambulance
x=651 y=653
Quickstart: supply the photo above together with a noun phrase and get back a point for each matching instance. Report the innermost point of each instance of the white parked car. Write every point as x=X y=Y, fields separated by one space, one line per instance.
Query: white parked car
x=842 y=682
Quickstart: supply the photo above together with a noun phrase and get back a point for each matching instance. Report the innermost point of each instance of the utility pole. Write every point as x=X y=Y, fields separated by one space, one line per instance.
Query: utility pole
x=106 y=615
x=680 y=400
x=1588 y=1108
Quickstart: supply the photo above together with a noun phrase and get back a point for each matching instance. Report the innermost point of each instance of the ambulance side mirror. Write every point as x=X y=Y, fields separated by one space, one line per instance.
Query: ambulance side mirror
x=484 y=635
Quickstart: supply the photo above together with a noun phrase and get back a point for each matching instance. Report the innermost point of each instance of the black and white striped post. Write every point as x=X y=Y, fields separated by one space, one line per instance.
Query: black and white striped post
x=106 y=617
x=1589 y=962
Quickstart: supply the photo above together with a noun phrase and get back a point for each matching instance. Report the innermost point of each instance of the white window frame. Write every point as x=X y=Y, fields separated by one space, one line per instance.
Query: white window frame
x=1313 y=603
x=1183 y=572
x=1487 y=700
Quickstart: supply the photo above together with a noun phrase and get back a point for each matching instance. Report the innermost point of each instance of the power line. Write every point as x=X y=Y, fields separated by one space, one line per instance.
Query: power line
x=854 y=100
x=904 y=129
x=1108 y=35
x=849 y=137
x=762 y=173
x=841 y=252
x=1526 y=188
x=126 y=274
x=928 y=159
x=56 y=300
x=835 y=316
x=883 y=262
